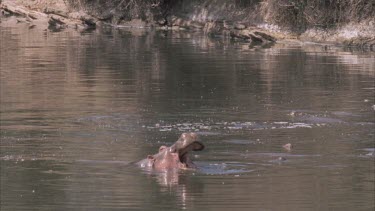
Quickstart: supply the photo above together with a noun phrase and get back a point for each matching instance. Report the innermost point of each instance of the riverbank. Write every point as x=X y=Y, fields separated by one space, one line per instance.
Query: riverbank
x=240 y=23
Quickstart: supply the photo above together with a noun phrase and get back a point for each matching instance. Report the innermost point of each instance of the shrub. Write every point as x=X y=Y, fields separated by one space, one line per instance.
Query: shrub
x=302 y=14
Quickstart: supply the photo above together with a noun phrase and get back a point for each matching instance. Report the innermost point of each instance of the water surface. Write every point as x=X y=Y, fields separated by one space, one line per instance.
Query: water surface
x=78 y=108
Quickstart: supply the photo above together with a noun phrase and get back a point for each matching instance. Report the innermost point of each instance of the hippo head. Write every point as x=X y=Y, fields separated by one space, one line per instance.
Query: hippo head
x=175 y=156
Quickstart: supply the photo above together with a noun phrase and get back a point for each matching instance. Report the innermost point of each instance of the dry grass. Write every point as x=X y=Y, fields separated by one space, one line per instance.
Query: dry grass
x=294 y=14
x=303 y=14
x=118 y=9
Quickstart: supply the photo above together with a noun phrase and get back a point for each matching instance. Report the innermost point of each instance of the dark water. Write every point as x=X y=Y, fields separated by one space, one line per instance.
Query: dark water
x=77 y=108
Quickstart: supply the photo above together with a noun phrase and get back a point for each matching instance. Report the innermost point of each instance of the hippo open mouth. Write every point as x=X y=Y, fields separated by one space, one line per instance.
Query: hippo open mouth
x=186 y=143
x=175 y=156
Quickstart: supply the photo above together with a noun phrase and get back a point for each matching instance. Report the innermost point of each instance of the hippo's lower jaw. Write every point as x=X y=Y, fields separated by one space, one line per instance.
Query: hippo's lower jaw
x=186 y=162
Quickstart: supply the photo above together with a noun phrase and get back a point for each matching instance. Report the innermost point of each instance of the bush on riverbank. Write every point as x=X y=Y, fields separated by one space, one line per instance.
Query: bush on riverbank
x=351 y=22
x=117 y=10
x=303 y=14
x=297 y=15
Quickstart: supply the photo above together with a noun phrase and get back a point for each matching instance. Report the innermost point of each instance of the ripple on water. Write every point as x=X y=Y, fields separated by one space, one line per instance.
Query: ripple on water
x=224 y=168
x=214 y=128
x=242 y=141
x=122 y=122
x=94 y=162
x=296 y=119
x=370 y=152
x=344 y=114
x=275 y=154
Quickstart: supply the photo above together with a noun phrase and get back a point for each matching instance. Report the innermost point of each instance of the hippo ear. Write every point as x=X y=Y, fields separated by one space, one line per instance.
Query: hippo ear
x=194 y=135
x=151 y=157
x=183 y=136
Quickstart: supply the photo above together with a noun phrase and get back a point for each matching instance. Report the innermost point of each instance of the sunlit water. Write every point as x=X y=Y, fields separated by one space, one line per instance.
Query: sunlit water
x=79 y=108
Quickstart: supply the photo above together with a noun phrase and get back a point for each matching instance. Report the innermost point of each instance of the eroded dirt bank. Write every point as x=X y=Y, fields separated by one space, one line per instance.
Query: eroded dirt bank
x=240 y=23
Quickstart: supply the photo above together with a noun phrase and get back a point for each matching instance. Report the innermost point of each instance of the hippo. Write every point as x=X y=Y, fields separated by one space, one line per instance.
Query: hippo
x=175 y=156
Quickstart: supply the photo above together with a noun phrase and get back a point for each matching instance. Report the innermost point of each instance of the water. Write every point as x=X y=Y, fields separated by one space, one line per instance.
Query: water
x=78 y=108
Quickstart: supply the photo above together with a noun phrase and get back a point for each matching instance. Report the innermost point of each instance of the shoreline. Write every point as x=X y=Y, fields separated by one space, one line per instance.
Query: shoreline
x=55 y=16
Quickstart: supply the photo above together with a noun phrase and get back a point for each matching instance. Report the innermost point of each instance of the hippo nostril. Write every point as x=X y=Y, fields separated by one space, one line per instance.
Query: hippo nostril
x=162 y=148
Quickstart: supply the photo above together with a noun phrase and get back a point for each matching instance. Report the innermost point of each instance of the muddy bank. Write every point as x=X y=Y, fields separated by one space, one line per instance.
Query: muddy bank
x=241 y=22
x=53 y=15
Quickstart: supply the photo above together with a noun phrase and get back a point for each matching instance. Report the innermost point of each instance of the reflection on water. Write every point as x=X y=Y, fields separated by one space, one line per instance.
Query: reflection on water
x=79 y=108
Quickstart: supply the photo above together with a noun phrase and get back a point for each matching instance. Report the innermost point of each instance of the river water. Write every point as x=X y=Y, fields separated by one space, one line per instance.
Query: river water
x=79 y=108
